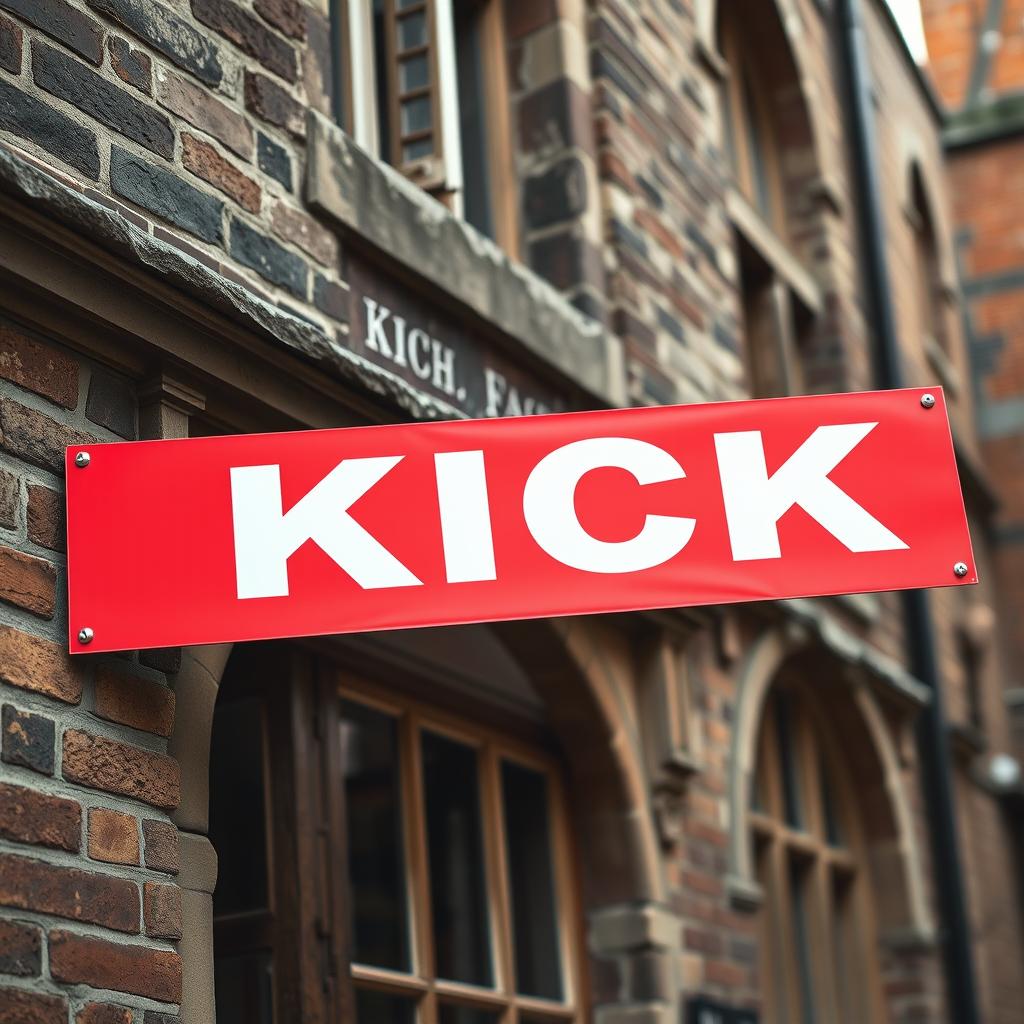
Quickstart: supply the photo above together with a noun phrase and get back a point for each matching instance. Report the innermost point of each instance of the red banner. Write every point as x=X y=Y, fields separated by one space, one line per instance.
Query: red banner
x=331 y=531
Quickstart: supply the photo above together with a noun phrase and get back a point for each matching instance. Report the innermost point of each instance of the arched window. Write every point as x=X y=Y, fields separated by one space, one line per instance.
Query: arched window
x=383 y=860
x=817 y=954
x=767 y=138
x=930 y=295
x=426 y=90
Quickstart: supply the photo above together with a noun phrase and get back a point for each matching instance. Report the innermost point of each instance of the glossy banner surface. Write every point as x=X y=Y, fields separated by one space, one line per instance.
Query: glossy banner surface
x=299 y=534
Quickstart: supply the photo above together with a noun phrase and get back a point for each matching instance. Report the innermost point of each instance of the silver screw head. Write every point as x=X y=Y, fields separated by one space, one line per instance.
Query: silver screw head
x=82 y=459
x=85 y=635
x=928 y=401
x=960 y=569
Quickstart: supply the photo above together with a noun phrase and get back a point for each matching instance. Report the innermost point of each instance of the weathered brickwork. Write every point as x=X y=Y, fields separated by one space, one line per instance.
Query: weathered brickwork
x=188 y=121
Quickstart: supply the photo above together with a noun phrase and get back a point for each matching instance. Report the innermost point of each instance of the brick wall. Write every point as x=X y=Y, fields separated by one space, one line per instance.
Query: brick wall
x=87 y=852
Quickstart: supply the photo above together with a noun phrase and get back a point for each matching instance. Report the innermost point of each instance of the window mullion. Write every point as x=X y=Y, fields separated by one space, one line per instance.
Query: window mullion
x=417 y=866
x=495 y=851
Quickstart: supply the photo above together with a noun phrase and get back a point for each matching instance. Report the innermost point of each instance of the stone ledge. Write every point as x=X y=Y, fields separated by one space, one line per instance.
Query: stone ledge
x=630 y=927
x=397 y=218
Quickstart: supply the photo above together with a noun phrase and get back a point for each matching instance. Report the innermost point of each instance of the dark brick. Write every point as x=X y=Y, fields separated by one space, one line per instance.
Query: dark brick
x=268 y=259
x=118 y=110
x=559 y=112
x=34 y=437
x=566 y=259
x=166 y=32
x=10 y=500
x=28 y=884
x=628 y=237
x=30 y=817
x=629 y=326
x=11 y=38
x=249 y=34
x=669 y=323
x=161 y=852
x=59 y=20
x=80 y=959
x=38 y=367
x=287 y=15
x=18 y=1006
x=20 y=949
x=166 y=195
x=131 y=65
x=162 y=910
x=331 y=298
x=163 y=659
x=111 y=404
x=266 y=99
x=31 y=119
x=558 y=194
x=46 y=517
x=28 y=740
x=274 y=160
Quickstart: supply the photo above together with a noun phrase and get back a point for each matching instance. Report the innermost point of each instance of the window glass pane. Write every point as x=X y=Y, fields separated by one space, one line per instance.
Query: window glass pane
x=237 y=807
x=417 y=150
x=531 y=881
x=383 y=1008
x=450 y=1014
x=802 y=938
x=758 y=157
x=414 y=73
x=833 y=832
x=458 y=891
x=416 y=115
x=412 y=31
x=473 y=119
x=370 y=762
x=787 y=757
x=244 y=989
x=380 y=67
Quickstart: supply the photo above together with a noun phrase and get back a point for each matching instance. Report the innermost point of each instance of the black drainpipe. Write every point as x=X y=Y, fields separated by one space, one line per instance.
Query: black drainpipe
x=933 y=731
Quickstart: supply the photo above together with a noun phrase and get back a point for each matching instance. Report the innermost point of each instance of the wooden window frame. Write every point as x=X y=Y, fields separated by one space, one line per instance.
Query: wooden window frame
x=413 y=717
x=843 y=996
x=441 y=173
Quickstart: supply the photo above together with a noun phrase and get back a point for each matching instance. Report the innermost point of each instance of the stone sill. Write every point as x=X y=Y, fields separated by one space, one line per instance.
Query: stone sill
x=396 y=218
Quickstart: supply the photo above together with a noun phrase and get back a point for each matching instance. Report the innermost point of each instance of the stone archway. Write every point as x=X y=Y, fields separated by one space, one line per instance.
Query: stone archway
x=893 y=853
x=623 y=889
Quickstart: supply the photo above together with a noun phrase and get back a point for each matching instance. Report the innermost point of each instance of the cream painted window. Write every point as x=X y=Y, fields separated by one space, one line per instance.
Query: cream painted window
x=427 y=92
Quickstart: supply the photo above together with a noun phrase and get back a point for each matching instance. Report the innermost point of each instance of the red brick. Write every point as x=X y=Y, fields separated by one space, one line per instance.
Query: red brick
x=130 y=700
x=161 y=846
x=79 y=959
x=28 y=582
x=30 y=817
x=720 y=972
x=46 y=517
x=162 y=910
x=20 y=949
x=20 y=1007
x=120 y=768
x=38 y=368
x=69 y=892
x=113 y=836
x=266 y=99
x=205 y=162
x=34 y=664
x=205 y=112
x=103 y=1013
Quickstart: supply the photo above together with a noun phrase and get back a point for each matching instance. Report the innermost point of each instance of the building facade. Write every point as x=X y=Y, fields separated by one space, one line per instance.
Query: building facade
x=221 y=217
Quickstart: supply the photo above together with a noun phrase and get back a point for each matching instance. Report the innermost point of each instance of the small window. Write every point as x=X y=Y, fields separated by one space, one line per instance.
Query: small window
x=458 y=871
x=928 y=274
x=815 y=945
x=428 y=93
